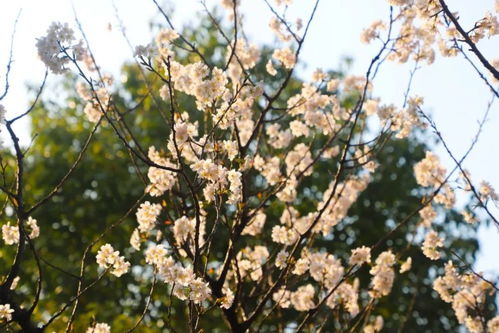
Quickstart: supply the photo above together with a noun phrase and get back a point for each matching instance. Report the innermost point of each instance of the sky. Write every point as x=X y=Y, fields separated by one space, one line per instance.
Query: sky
x=454 y=95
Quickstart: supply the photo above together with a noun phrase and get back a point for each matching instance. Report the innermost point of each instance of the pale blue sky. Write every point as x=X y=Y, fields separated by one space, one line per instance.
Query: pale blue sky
x=453 y=93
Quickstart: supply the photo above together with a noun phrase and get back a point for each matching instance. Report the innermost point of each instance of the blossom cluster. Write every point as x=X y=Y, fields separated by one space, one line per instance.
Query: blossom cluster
x=234 y=171
x=99 y=328
x=59 y=39
x=383 y=274
x=10 y=233
x=108 y=258
x=185 y=284
x=424 y=28
x=466 y=292
x=96 y=102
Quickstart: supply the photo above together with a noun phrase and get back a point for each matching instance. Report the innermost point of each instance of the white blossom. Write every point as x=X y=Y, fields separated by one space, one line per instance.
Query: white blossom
x=99 y=328
x=147 y=215
x=383 y=274
x=10 y=234
x=360 y=255
x=6 y=312
x=108 y=258
x=430 y=245
x=280 y=261
x=59 y=37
